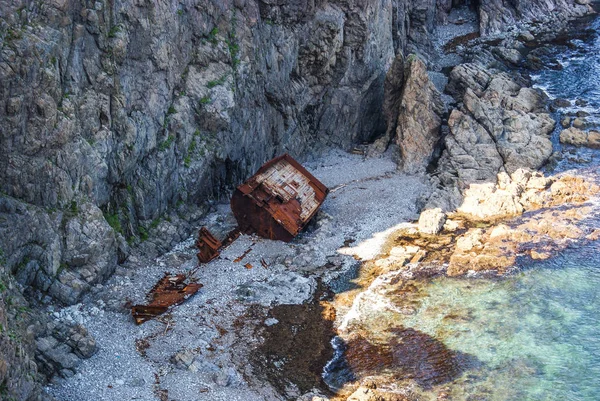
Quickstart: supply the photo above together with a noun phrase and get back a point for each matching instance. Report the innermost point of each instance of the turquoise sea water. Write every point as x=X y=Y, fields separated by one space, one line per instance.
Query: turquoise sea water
x=536 y=334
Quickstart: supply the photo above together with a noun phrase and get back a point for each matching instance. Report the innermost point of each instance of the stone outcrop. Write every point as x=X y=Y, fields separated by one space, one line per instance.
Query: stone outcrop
x=34 y=346
x=500 y=127
x=525 y=214
x=432 y=221
x=19 y=378
x=62 y=347
x=413 y=110
x=419 y=118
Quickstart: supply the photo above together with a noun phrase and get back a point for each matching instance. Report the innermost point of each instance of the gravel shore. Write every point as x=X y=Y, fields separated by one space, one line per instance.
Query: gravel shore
x=198 y=350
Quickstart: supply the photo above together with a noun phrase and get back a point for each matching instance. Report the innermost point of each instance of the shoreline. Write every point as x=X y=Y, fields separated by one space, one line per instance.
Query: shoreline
x=227 y=378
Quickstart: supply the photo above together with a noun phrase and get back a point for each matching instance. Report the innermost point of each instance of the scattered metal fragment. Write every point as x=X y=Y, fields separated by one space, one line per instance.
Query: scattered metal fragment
x=208 y=245
x=248 y=266
x=170 y=290
x=279 y=200
x=240 y=258
x=264 y=264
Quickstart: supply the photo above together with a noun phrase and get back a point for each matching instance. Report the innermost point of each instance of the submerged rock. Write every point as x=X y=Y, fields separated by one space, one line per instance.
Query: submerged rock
x=407 y=354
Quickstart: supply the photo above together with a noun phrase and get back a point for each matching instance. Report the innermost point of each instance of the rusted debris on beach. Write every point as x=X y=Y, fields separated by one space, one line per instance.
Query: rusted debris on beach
x=170 y=290
x=275 y=203
x=243 y=255
x=208 y=246
x=279 y=200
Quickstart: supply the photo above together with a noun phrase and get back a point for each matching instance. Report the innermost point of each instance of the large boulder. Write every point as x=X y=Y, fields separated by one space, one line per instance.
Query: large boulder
x=500 y=127
x=578 y=137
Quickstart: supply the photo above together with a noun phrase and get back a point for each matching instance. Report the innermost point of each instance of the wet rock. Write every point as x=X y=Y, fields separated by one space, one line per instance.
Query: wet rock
x=565 y=122
x=579 y=123
x=560 y=104
x=578 y=137
x=526 y=36
x=432 y=221
x=410 y=353
x=296 y=349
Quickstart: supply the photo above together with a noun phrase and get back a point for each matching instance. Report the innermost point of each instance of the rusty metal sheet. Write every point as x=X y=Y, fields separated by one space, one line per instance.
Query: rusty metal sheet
x=169 y=290
x=279 y=200
x=208 y=246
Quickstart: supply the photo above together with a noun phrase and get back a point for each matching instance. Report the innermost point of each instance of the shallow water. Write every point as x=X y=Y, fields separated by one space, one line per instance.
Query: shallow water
x=536 y=334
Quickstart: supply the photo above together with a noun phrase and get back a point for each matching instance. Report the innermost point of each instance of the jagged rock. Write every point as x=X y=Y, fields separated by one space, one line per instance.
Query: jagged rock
x=419 y=118
x=501 y=127
x=495 y=15
x=483 y=201
x=18 y=369
x=392 y=98
x=432 y=221
x=63 y=347
x=468 y=76
x=510 y=55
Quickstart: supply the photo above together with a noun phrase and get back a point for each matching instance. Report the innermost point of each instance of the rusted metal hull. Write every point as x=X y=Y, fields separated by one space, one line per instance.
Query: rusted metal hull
x=279 y=200
x=168 y=291
x=208 y=246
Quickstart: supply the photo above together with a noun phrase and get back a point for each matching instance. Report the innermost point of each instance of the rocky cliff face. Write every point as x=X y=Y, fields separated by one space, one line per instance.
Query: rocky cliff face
x=117 y=116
